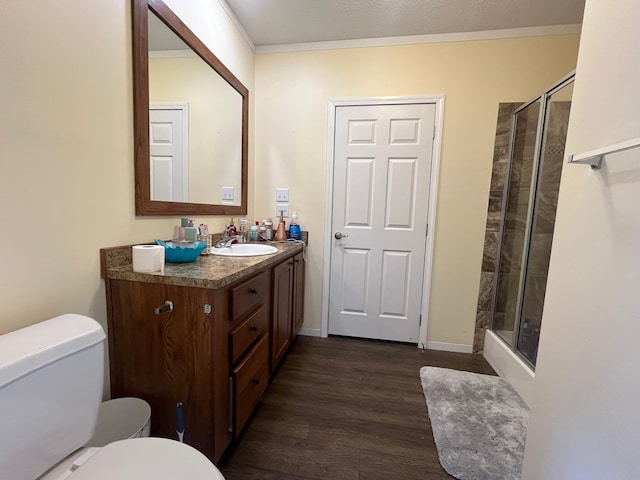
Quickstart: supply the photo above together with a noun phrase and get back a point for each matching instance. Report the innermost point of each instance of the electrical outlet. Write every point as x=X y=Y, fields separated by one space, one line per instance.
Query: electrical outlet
x=227 y=193
x=285 y=210
x=282 y=194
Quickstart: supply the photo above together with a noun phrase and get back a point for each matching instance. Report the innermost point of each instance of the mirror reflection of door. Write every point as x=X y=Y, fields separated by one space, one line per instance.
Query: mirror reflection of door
x=168 y=141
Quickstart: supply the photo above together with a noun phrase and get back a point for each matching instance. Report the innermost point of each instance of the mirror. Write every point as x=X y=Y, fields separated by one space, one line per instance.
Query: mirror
x=190 y=121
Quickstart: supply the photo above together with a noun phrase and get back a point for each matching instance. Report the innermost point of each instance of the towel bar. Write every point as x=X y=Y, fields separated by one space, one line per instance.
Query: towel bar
x=594 y=157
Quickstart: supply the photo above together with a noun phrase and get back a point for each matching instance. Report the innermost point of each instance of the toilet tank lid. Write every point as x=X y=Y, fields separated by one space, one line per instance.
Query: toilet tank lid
x=36 y=346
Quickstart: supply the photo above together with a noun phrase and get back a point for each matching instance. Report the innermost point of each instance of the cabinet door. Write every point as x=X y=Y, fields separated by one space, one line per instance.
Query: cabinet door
x=298 y=292
x=173 y=356
x=282 y=311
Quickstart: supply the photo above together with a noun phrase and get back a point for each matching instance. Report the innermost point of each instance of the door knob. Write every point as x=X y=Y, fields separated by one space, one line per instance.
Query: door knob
x=339 y=235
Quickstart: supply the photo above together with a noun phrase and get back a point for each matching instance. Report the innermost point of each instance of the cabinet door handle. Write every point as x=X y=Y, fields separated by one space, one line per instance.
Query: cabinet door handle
x=254 y=328
x=256 y=381
x=253 y=290
x=167 y=307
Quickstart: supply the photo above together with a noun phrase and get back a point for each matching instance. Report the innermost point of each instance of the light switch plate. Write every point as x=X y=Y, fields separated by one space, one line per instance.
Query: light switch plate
x=285 y=210
x=227 y=193
x=282 y=194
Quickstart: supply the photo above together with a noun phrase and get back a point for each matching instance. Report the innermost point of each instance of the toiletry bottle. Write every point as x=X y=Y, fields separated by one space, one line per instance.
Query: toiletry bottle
x=281 y=233
x=190 y=232
x=253 y=233
x=269 y=229
x=231 y=229
x=243 y=230
x=294 y=227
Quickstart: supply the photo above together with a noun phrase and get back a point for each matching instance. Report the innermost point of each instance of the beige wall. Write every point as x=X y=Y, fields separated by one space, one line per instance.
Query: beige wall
x=293 y=90
x=66 y=131
x=584 y=411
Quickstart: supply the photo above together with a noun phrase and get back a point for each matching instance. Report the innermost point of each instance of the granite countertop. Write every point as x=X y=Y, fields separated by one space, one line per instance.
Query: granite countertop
x=208 y=271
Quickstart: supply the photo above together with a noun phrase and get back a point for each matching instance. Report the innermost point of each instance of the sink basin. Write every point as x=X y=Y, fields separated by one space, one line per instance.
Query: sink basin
x=244 y=250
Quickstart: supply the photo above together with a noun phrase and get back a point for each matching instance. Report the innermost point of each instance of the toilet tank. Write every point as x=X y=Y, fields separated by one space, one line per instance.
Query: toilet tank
x=51 y=376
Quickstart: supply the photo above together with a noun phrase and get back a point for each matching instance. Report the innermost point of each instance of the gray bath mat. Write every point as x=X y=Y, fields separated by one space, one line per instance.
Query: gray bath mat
x=479 y=423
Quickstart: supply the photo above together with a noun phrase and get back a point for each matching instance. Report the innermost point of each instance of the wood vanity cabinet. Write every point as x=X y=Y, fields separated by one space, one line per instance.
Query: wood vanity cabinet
x=214 y=350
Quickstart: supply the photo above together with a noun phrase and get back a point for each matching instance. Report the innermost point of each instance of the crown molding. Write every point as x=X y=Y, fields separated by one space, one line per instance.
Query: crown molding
x=422 y=39
x=236 y=22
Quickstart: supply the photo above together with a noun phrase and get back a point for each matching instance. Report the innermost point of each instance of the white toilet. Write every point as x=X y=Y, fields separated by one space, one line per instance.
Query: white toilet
x=51 y=378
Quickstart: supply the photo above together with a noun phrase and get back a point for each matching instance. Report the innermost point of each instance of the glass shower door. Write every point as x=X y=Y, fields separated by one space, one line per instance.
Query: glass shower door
x=554 y=135
x=531 y=198
x=514 y=233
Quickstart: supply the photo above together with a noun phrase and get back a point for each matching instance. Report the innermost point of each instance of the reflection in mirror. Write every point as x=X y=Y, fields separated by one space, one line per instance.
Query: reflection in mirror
x=195 y=125
x=190 y=121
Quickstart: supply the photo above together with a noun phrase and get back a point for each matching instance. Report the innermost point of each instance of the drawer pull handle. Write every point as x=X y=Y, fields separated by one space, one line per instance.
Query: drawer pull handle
x=254 y=328
x=256 y=381
x=253 y=290
x=167 y=307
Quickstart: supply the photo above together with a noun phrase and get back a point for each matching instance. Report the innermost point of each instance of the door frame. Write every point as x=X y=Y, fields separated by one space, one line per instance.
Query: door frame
x=183 y=107
x=438 y=101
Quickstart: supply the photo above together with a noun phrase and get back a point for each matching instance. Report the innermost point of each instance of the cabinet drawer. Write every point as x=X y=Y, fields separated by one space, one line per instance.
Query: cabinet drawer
x=245 y=334
x=251 y=378
x=246 y=296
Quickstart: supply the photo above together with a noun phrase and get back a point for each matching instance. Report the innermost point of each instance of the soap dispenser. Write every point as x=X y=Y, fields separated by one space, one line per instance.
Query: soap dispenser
x=294 y=227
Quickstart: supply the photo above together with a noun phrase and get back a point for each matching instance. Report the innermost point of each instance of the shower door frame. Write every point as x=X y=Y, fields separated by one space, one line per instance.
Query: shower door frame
x=538 y=164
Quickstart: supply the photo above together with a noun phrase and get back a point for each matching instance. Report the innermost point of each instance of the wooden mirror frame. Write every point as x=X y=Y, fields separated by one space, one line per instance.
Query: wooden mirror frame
x=139 y=26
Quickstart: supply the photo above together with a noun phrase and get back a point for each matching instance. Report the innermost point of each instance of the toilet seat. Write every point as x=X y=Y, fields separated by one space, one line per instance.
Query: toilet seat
x=147 y=458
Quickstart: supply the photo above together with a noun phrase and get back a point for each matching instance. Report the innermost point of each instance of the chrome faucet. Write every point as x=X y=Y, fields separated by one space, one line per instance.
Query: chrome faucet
x=227 y=242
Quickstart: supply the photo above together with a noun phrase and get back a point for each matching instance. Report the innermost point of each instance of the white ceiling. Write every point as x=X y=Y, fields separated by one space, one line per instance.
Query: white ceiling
x=275 y=22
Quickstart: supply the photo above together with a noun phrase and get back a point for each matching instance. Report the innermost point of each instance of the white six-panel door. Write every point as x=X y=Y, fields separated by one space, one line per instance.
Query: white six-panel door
x=382 y=168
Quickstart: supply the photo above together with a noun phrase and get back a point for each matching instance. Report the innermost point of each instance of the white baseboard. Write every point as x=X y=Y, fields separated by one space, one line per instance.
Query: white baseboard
x=450 y=347
x=309 y=332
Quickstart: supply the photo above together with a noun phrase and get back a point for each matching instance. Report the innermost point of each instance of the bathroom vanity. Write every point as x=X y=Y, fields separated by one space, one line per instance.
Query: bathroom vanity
x=209 y=334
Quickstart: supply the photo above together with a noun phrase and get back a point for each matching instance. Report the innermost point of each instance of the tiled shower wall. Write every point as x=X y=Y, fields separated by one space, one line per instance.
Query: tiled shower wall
x=494 y=220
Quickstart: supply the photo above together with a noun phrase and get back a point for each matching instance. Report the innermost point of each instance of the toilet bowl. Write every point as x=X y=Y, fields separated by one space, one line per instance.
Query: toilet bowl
x=51 y=378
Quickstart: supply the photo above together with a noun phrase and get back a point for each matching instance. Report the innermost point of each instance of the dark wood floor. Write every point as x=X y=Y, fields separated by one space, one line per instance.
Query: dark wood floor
x=345 y=409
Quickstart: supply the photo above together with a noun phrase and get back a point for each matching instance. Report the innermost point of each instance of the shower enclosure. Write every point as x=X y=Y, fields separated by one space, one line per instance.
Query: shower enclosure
x=530 y=198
